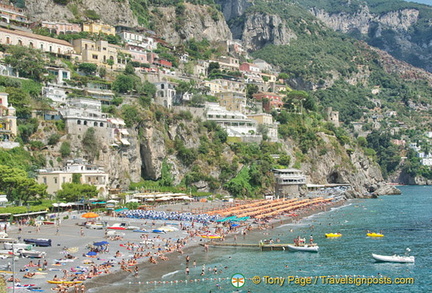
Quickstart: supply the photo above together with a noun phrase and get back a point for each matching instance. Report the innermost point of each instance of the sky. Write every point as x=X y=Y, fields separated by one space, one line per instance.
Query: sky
x=428 y=2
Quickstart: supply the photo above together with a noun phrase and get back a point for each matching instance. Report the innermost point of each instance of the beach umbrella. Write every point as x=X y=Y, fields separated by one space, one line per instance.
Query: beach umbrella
x=90 y=215
x=99 y=243
x=91 y=253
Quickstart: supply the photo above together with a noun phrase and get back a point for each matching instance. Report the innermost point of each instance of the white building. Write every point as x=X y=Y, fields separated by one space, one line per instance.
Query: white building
x=138 y=40
x=289 y=182
x=90 y=174
x=165 y=93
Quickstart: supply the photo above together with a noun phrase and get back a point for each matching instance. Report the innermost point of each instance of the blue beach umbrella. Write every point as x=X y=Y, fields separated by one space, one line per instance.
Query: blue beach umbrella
x=90 y=253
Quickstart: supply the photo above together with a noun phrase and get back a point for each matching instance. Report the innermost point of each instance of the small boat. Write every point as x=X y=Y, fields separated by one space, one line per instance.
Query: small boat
x=39 y=241
x=97 y=226
x=304 y=247
x=393 y=258
x=158 y=231
x=32 y=253
x=17 y=246
x=118 y=226
x=333 y=235
x=140 y=231
x=373 y=234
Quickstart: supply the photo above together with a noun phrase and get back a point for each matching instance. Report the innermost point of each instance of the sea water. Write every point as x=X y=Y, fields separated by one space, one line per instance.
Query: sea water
x=405 y=220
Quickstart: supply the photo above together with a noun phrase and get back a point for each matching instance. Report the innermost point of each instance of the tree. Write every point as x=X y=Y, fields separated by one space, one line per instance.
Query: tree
x=87 y=68
x=74 y=192
x=27 y=61
x=213 y=67
x=20 y=100
x=18 y=187
x=129 y=70
x=251 y=89
x=90 y=143
x=147 y=92
x=124 y=83
x=65 y=149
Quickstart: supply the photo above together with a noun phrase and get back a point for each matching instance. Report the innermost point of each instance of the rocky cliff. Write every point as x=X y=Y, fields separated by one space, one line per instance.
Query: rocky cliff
x=260 y=29
x=110 y=11
x=398 y=32
x=196 y=22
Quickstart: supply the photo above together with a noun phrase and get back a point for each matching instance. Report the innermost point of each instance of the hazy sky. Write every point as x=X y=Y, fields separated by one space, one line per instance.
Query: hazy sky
x=428 y=2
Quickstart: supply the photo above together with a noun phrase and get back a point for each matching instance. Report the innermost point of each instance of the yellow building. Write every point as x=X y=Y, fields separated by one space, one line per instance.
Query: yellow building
x=96 y=28
x=98 y=52
x=232 y=101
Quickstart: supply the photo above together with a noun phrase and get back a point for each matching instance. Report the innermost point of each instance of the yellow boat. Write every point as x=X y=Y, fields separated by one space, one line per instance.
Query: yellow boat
x=373 y=234
x=64 y=282
x=330 y=235
x=211 y=236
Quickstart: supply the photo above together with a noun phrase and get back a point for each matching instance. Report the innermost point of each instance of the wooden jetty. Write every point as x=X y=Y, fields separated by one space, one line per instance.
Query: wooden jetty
x=263 y=246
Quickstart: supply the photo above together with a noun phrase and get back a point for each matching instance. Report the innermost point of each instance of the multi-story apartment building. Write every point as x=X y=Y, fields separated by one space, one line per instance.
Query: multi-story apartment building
x=45 y=44
x=97 y=52
x=61 y=27
x=232 y=101
x=8 y=123
x=89 y=174
x=97 y=28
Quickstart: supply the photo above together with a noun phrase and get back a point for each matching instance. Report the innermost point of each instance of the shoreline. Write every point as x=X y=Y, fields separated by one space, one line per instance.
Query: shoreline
x=195 y=251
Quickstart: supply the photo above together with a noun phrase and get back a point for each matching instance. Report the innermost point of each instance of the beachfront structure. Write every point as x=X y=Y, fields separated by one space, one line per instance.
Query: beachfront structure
x=289 y=182
x=61 y=27
x=235 y=123
x=89 y=174
x=8 y=123
x=98 y=28
x=232 y=101
x=45 y=44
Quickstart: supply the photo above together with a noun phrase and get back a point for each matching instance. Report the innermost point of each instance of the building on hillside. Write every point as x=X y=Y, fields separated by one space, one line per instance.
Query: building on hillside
x=98 y=28
x=100 y=91
x=89 y=174
x=138 y=40
x=269 y=127
x=223 y=85
x=232 y=101
x=262 y=65
x=57 y=95
x=80 y=114
x=61 y=27
x=249 y=67
x=289 y=182
x=332 y=116
x=227 y=63
x=200 y=68
x=45 y=44
x=236 y=124
x=7 y=70
x=97 y=52
x=9 y=13
x=165 y=93
x=8 y=123
x=270 y=101
x=61 y=74
x=162 y=63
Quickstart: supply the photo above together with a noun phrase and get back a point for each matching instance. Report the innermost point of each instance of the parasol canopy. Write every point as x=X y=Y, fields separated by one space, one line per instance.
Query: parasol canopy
x=91 y=253
x=90 y=215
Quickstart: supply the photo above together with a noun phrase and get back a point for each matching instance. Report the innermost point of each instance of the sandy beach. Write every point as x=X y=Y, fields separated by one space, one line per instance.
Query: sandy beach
x=70 y=238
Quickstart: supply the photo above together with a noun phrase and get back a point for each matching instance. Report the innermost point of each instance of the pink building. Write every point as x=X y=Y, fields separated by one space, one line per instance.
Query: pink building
x=249 y=67
x=62 y=27
x=270 y=100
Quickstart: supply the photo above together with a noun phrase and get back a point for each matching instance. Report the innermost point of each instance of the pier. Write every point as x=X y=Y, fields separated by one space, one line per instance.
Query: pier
x=263 y=246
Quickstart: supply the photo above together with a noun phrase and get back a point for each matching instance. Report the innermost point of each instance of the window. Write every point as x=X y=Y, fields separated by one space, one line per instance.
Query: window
x=55 y=180
x=50 y=48
x=94 y=56
x=31 y=45
x=44 y=180
x=19 y=43
x=7 y=40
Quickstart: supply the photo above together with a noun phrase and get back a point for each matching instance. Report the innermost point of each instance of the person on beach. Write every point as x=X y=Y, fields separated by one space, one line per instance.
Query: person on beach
x=187 y=271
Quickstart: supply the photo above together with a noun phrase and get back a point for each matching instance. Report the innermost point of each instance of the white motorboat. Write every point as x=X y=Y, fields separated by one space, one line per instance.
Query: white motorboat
x=393 y=258
x=17 y=246
x=304 y=247
x=32 y=253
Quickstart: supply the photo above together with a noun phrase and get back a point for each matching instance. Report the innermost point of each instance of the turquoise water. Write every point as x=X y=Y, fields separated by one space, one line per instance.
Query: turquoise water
x=406 y=221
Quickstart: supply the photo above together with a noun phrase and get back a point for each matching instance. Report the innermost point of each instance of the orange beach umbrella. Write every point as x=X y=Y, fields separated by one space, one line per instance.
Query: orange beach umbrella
x=89 y=215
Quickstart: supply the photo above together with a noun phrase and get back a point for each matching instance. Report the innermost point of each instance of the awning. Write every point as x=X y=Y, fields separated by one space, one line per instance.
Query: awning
x=124 y=131
x=124 y=141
